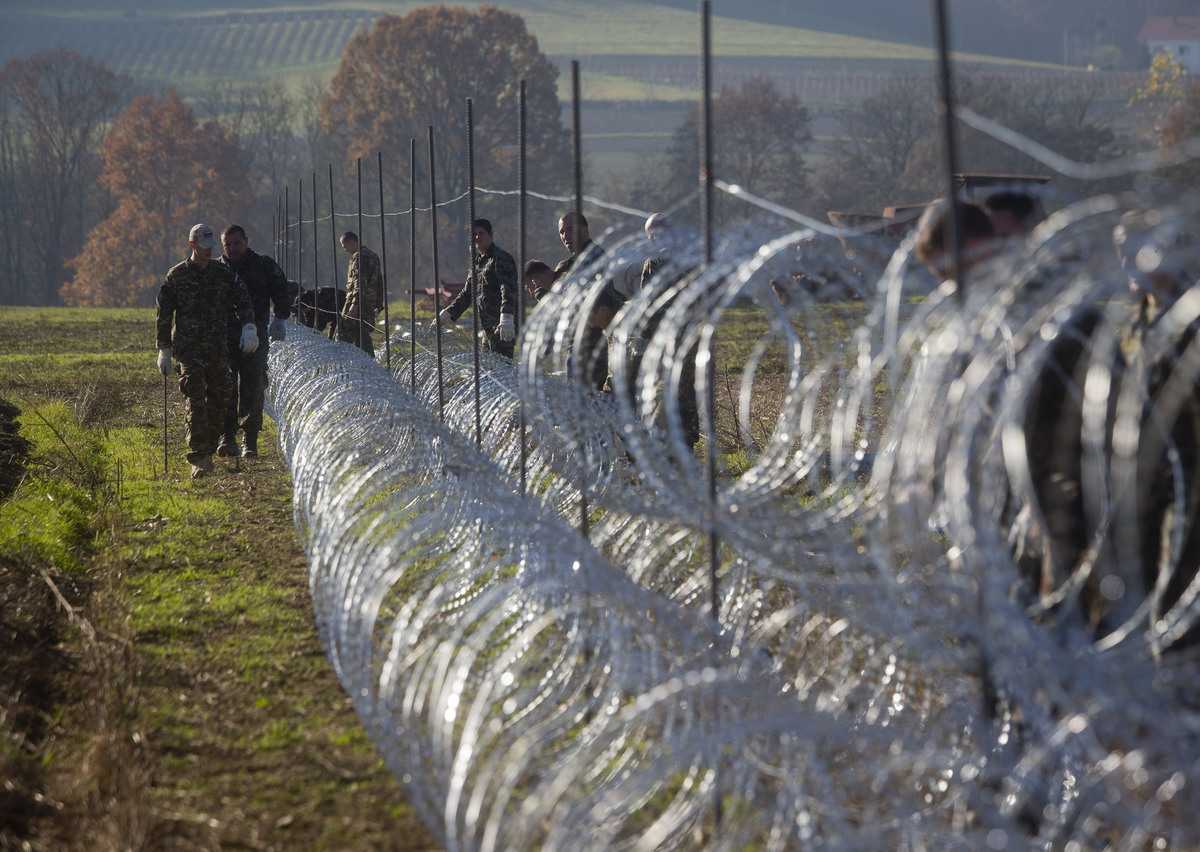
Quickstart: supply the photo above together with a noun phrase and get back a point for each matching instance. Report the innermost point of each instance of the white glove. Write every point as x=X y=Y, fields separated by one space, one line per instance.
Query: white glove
x=164 y=361
x=249 y=338
x=507 y=330
x=443 y=321
x=277 y=329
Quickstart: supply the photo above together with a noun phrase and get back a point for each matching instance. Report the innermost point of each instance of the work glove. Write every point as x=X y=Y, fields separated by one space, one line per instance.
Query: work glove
x=249 y=341
x=277 y=330
x=507 y=330
x=443 y=321
x=164 y=361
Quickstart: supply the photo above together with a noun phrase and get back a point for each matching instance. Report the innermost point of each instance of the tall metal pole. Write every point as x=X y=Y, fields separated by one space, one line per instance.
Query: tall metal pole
x=166 y=464
x=412 y=264
x=316 y=265
x=953 y=228
x=337 y=319
x=437 y=281
x=706 y=219
x=521 y=261
x=709 y=401
x=287 y=215
x=577 y=188
x=300 y=234
x=387 y=342
x=362 y=320
x=474 y=282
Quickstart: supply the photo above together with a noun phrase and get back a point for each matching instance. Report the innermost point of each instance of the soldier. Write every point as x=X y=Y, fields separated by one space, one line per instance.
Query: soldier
x=659 y=274
x=193 y=305
x=584 y=252
x=364 y=294
x=497 y=271
x=267 y=285
x=539 y=279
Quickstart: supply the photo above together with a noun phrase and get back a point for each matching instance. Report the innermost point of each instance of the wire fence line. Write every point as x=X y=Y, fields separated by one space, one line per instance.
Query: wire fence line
x=881 y=673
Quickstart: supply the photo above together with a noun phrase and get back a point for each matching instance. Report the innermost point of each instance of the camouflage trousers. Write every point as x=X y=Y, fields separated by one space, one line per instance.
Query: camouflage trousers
x=206 y=386
x=348 y=331
x=248 y=389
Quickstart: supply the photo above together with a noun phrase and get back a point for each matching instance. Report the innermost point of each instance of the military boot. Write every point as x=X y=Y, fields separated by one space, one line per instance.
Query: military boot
x=250 y=451
x=228 y=447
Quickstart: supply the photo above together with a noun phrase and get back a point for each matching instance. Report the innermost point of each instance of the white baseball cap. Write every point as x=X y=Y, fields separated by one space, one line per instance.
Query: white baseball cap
x=203 y=236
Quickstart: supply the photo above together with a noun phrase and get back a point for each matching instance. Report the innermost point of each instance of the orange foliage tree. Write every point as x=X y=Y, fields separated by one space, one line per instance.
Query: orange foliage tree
x=405 y=75
x=166 y=172
x=1185 y=121
x=1181 y=126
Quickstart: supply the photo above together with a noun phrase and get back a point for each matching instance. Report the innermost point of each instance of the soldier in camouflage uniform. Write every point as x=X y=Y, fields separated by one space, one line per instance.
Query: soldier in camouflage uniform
x=266 y=285
x=193 y=304
x=497 y=271
x=364 y=294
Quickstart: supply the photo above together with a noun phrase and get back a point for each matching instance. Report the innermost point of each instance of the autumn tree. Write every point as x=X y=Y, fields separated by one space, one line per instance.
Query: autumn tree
x=166 y=172
x=889 y=150
x=1182 y=126
x=1062 y=120
x=1157 y=95
x=759 y=139
x=407 y=74
x=867 y=162
x=55 y=108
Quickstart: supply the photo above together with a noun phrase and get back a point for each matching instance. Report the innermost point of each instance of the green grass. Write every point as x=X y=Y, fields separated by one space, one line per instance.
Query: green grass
x=55 y=515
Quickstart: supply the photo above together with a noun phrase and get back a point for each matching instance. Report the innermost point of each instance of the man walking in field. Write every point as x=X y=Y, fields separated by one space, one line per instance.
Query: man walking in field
x=193 y=305
x=266 y=285
x=364 y=294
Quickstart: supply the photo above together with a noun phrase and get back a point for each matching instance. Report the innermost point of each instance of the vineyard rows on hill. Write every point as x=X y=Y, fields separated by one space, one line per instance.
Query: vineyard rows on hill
x=187 y=52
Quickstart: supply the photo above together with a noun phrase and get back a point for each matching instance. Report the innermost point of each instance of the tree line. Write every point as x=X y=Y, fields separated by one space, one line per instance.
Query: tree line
x=99 y=183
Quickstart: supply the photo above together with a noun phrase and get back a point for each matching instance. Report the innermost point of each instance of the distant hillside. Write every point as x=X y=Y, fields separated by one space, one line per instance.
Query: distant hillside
x=1074 y=32
x=161 y=46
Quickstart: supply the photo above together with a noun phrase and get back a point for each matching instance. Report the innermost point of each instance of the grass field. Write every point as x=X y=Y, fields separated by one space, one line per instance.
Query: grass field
x=183 y=700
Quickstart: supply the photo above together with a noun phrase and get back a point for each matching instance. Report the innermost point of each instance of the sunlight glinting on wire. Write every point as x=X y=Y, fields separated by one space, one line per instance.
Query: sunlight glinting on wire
x=866 y=565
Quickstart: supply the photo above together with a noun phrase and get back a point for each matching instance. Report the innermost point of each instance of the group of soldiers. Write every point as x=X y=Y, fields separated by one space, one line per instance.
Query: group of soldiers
x=214 y=324
x=214 y=329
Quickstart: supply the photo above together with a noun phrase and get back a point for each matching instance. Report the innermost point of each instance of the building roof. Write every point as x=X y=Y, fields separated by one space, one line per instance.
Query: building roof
x=1186 y=28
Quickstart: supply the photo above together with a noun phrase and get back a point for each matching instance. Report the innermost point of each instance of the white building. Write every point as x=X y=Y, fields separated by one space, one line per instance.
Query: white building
x=1178 y=34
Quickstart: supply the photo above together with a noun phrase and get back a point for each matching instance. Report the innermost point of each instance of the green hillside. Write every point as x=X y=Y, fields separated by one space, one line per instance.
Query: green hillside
x=161 y=44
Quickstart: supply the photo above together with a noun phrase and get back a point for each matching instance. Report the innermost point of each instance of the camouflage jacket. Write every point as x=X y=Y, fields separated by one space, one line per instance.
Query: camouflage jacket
x=498 y=295
x=193 y=307
x=370 y=293
x=267 y=286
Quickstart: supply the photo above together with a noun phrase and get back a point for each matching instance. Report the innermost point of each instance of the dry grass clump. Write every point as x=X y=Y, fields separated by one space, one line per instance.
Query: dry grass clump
x=97 y=403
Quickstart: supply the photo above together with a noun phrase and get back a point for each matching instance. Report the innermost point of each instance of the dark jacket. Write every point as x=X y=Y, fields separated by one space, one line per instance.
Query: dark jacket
x=497 y=271
x=267 y=286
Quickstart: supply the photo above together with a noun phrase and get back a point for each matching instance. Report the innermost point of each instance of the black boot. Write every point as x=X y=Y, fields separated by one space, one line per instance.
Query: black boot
x=250 y=451
x=228 y=448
